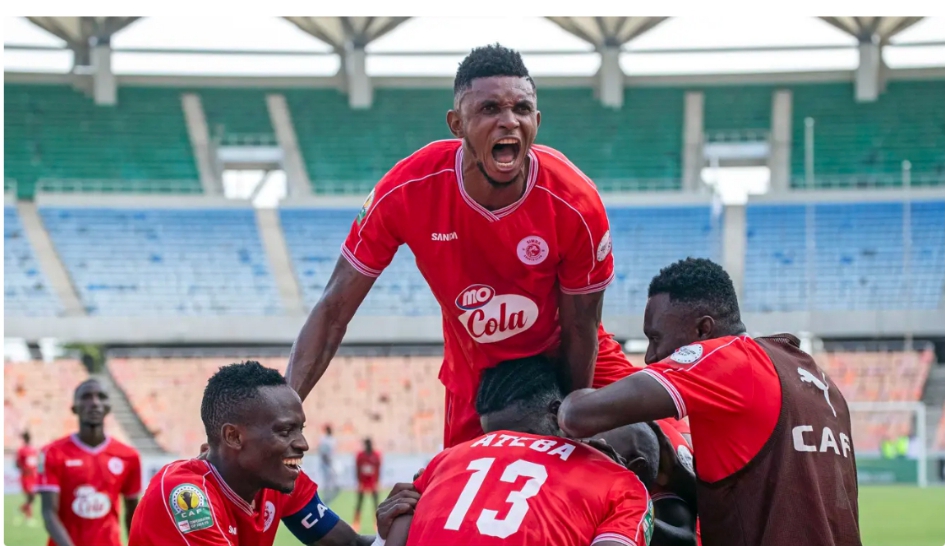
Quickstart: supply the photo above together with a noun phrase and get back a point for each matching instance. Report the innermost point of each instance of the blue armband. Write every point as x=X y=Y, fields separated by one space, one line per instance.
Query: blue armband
x=312 y=522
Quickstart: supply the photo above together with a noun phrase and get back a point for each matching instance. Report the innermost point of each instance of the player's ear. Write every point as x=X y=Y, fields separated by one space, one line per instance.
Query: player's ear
x=705 y=327
x=230 y=436
x=455 y=122
x=637 y=465
x=537 y=119
x=553 y=408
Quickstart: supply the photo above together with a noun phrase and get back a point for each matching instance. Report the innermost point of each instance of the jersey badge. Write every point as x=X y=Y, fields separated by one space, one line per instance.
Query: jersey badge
x=532 y=250
x=366 y=207
x=648 y=522
x=115 y=465
x=685 y=458
x=270 y=513
x=603 y=249
x=190 y=507
x=687 y=354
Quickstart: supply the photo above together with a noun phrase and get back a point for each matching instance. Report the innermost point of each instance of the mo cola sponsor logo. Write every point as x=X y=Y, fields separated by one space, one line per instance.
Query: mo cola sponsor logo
x=489 y=317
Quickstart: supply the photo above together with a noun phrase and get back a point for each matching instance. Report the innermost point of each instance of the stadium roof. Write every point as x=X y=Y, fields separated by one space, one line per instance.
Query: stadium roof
x=80 y=33
x=865 y=29
x=604 y=32
x=339 y=31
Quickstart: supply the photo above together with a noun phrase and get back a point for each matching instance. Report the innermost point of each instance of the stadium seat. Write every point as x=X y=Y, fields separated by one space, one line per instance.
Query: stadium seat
x=737 y=112
x=25 y=289
x=126 y=262
x=37 y=397
x=858 y=257
x=237 y=116
x=397 y=401
x=55 y=132
x=864 y=143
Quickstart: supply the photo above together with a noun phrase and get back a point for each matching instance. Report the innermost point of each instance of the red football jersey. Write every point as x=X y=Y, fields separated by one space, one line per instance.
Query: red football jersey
x=187 y=503
x=496 y=274
x=509 y=488
x=26 y=460
x=732 y=394
x=369 y=466
x=89 y=481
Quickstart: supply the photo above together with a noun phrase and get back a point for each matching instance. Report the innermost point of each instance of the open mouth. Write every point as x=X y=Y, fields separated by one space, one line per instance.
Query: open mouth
x=505 y=152
x=294 y=464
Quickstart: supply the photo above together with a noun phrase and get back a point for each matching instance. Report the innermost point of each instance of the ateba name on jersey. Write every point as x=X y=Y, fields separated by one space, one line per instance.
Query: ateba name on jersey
x=554 y=448
x=489 y=317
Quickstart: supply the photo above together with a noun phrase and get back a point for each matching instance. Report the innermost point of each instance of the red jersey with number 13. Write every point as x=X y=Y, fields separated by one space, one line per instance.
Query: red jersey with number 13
x=496 y=274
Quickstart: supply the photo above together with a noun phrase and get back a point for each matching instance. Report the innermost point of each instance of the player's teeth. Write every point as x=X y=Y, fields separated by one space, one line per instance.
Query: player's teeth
x=508 y=141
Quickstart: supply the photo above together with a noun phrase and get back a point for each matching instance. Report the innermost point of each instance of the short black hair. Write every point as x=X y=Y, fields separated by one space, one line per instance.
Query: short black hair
x=75 y=393
x=531 y=381
x=703 y=285
x=489 y=61
x=229 y=389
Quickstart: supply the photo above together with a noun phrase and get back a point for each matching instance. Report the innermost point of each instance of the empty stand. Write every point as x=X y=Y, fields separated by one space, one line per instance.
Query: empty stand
x=237 y=116
x=25 y=289
x=37 y=397
x=397 y=401
x=864 y=144
x=858 y=257
x=314 y=238
x=126 y=262
x=56 y=132
x=741 y=112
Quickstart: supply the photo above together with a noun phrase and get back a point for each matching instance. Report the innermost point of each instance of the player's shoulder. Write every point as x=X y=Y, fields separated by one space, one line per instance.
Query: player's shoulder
x=58 y=445
x=173 y=480
x=556 y=172
x=120 y=449
x=701 y=352
x=428 y=163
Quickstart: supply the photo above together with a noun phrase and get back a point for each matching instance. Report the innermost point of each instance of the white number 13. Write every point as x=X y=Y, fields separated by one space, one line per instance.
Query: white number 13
x=487 y=522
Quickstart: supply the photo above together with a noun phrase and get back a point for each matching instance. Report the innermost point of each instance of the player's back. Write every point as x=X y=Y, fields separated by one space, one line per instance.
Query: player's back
x=508 y=488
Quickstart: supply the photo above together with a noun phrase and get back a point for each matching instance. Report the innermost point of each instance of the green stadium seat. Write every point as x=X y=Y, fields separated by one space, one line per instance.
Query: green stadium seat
x=237 y=116
x=737 y=112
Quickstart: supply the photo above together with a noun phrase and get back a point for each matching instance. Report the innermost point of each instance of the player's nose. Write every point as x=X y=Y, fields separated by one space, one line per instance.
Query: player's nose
x=508 y=120
x=300 y=443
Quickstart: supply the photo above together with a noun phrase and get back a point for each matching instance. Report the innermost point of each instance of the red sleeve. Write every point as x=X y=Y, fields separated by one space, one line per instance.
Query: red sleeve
x=50 y=468
x=588 y=263
x=424 y=480
x=374 y=236
x=629 y=517
x=305 y=490
x=132 y=485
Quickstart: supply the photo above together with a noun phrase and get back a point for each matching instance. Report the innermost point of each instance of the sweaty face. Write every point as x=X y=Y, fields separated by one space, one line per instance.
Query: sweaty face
x=667 y=327
x=91 y=404
x=498 y=119
x=273 y=444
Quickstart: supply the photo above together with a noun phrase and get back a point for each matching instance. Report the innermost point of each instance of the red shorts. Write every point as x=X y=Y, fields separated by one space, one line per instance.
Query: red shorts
x=28 y=484
x=462 y=421
x=367 y=486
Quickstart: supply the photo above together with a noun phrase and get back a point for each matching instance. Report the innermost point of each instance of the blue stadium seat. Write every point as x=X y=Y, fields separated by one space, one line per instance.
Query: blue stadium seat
x=858 y=257
x=126 y=262
x=25 y=289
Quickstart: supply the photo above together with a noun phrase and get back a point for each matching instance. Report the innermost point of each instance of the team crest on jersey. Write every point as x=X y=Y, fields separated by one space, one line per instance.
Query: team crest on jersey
x=688 y=354
x=685 y=458
x=491 y=317
x=115 y=465
x=270 y=513
x=648 y=522
x=90 y=503
x=603 y=249
x=366 y=207
x=532 y=250
x=190 y=507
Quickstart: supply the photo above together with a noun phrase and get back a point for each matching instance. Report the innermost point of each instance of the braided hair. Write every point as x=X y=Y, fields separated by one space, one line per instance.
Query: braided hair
x=531 y=381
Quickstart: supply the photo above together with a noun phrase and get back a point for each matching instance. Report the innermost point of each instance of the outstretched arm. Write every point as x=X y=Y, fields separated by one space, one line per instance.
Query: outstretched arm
x=633 y=399
x=325 y=327
x=50 y=506
x=580 y=316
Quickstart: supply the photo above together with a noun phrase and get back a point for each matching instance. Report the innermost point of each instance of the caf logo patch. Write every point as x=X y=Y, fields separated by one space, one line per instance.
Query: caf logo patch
x=687 y=354
x=191 y=509
x=366 y=207
x=603 y=249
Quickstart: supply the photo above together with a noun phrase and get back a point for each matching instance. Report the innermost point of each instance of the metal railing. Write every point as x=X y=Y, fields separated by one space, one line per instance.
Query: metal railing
x=95 y=185
x=737 y=135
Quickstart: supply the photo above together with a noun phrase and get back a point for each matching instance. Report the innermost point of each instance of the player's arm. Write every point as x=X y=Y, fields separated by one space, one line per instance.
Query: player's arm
x=633 y=399
x=131 y=489
x=580 y=317
x=399 y=531
x=55 y=528
x=131 y=504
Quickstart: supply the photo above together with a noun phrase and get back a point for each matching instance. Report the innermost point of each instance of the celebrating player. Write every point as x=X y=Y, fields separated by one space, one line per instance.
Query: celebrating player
x=523 y=484
x=251 y=478
x=82 y=475
x=26 y=463
x=770 y=430
x=368 y=470
x=512 y=238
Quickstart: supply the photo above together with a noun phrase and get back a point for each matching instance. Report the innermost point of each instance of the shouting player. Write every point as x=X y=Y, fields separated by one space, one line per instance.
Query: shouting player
x=511 y=237
x=26 y=460
x=82 y=475
x=368 y=470
x=523 y=484
x=251 y=477
x=770 y=431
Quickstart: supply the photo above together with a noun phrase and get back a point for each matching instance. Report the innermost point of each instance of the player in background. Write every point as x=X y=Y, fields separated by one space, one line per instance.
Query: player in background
x=770 y=431
x=251 y=477
x=326 y=459
x=26 y=459
x=82 y=475
x=368 y=473
x=522 y=483
x=512 y=238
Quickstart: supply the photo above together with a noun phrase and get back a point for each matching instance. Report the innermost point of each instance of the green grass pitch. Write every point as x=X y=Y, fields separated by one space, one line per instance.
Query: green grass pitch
x=889 y=516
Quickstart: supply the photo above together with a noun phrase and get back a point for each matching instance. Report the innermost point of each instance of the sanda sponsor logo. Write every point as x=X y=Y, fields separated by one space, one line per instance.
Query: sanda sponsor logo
x=490 y=317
